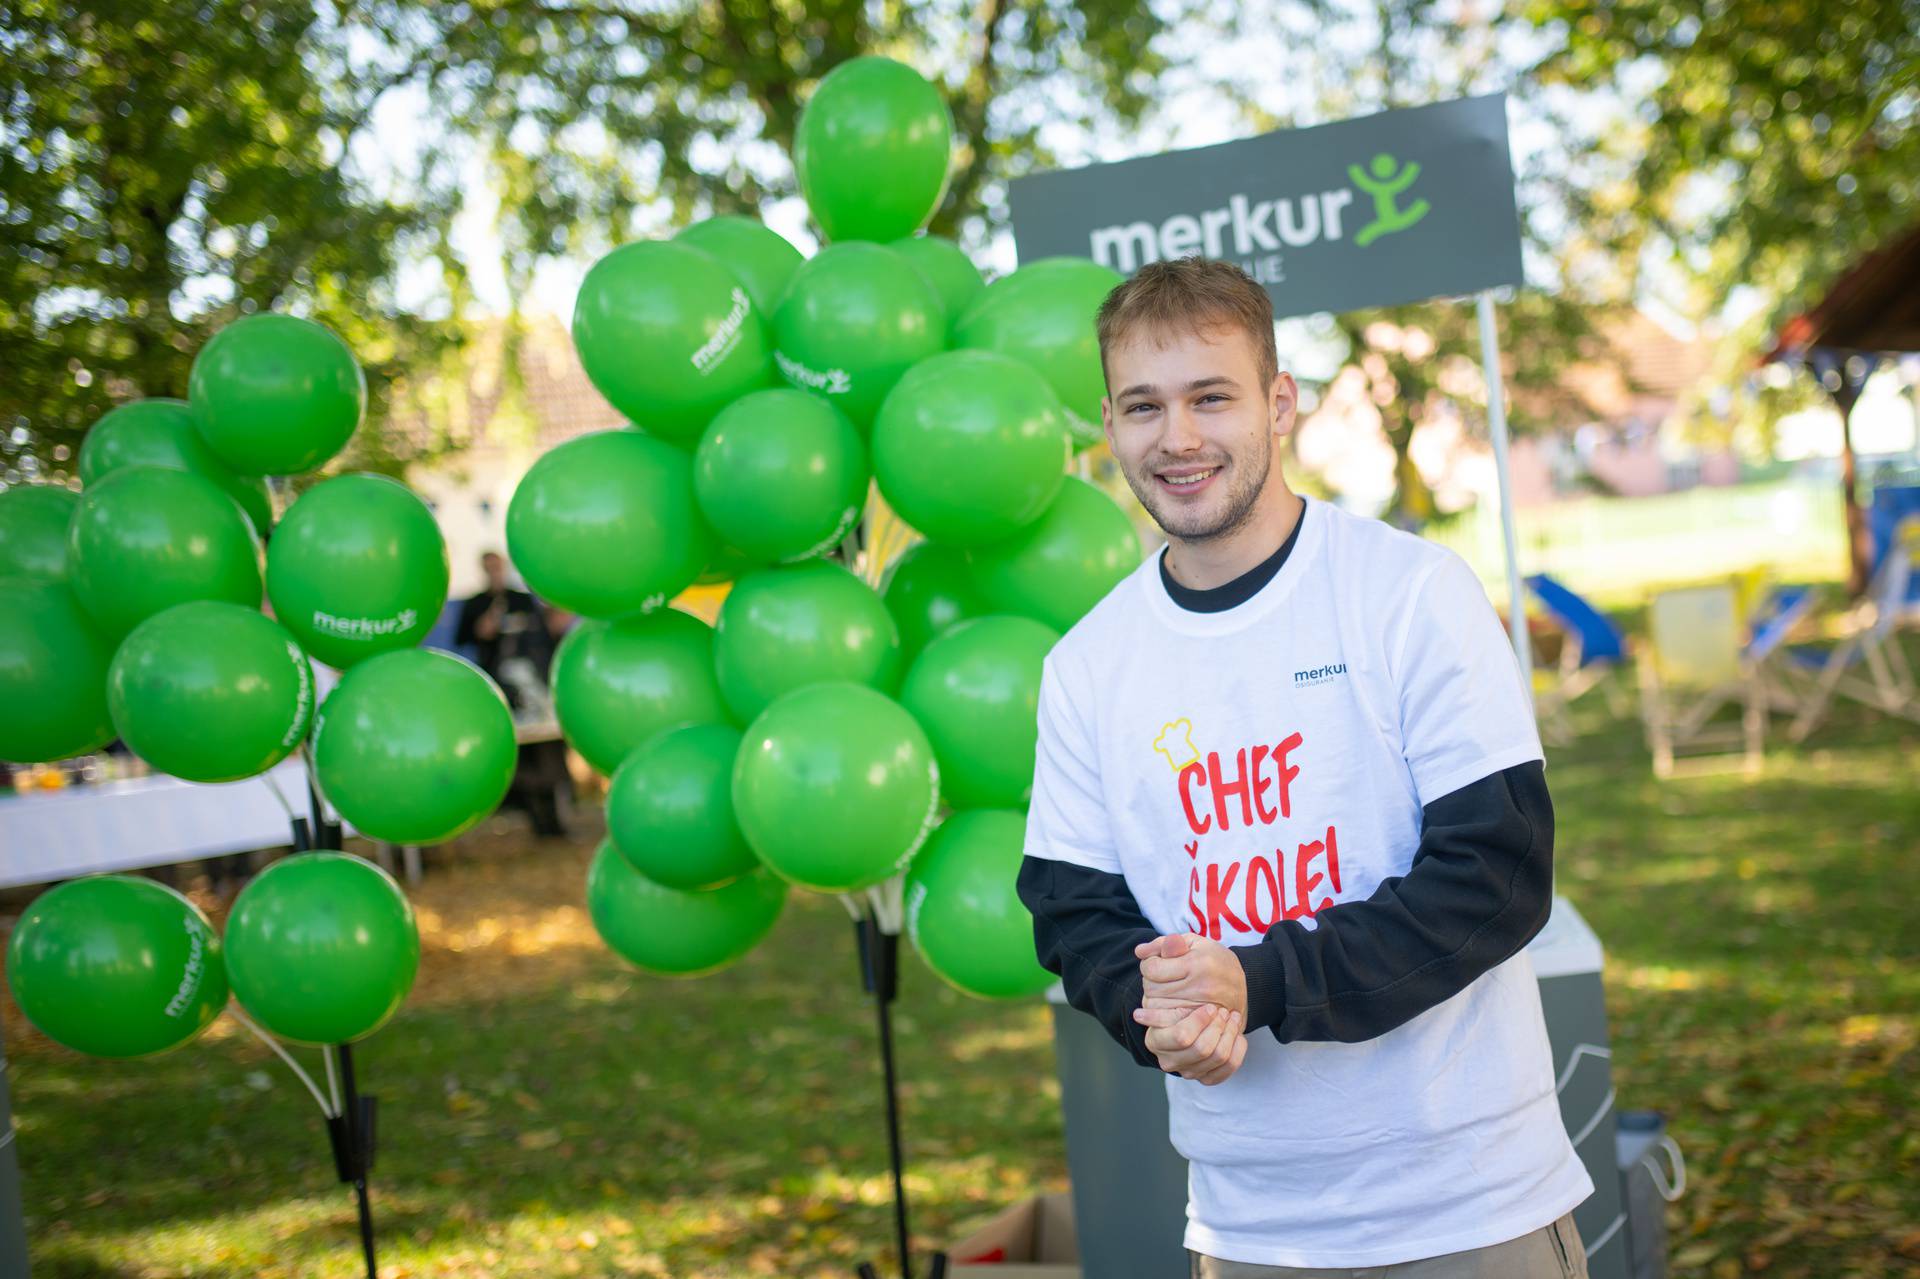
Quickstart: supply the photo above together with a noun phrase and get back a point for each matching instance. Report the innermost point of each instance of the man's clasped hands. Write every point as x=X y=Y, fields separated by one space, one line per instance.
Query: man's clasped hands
x=1194 y=1006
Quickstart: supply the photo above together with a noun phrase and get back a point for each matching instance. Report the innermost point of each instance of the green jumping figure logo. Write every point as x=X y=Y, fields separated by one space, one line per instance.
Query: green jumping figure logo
x=1384 y=185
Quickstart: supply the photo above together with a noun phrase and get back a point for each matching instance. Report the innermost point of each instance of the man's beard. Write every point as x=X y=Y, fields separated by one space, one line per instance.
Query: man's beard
x=1244 y=486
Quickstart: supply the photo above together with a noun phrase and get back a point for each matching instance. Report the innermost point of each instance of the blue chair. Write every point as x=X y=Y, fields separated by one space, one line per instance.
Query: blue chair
x=1594 y=647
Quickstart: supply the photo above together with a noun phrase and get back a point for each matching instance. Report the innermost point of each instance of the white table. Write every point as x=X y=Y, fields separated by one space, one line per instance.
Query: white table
x=143 y=821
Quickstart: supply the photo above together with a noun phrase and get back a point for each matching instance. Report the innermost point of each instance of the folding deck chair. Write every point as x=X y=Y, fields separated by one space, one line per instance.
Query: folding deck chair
x=1694 y=664
x=1867 y=663
x=1593 y=648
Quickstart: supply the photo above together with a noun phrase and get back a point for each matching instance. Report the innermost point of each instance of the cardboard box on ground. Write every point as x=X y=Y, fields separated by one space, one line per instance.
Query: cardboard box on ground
x=1034 y=1239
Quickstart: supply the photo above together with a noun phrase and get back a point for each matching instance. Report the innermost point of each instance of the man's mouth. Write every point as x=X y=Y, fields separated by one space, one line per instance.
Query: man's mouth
x=1186 y=479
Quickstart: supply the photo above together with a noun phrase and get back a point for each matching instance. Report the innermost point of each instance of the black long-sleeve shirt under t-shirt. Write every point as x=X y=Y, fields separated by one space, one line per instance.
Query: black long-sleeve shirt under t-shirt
x=1480 y=887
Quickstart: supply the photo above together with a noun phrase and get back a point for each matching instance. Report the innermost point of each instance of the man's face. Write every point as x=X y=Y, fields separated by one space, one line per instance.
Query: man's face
x=496 y=570
x=1193 y=429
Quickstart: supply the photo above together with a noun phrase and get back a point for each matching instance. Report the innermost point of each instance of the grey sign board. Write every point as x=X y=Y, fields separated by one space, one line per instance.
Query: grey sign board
x=1374 y=211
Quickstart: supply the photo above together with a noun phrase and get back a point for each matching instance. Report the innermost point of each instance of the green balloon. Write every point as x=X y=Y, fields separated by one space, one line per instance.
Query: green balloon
x=33 y=531
x=276 y=394
x=835 y=787
x=759 y=255
x=963 y=913
x=145 y=539
x=970 y=447
x=729 y=563
x=357 y=567
x=976 y=690
x=116 y=966
x=615 y=684
x=1060 y=566
x=670 y=808
x=322 y=948
x=675 y=932
x=947 y=267
x=855 y=318
x=928 y=589
x=53 y=674
x=160 y=432
x=606 y=524
x=210 y=691
x=670 y=335
x=414 y=746
x=871 y=150
x=781 y=475
x=782 y=628
x=1044 y=314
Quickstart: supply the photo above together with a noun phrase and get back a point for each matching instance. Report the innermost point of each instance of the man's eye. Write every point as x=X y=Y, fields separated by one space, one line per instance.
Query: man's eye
x=1214 y=396
x=1141 y=405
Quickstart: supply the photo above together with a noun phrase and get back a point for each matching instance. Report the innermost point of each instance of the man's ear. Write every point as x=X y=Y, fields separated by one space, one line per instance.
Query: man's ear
x=1285 y=403
x=1106 y=419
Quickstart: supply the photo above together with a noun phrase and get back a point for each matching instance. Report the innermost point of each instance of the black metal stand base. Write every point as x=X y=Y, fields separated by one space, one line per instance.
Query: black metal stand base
x=880 y=977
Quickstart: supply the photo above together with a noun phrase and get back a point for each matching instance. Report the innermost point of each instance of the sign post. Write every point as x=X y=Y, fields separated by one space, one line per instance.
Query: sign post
x=1385 y=209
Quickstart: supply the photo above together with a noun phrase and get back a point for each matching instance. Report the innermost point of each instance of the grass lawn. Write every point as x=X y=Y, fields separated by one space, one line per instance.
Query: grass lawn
x=546 y=1111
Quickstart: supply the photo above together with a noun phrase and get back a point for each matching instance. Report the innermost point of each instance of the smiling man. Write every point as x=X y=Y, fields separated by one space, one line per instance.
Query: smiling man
x=1289 y=834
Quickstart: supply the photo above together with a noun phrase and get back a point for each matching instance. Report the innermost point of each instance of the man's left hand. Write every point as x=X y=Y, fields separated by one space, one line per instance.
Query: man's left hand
x=1185 y=969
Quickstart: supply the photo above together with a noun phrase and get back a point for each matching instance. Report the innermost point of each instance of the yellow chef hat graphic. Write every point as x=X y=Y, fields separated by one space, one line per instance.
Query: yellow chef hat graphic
x=1176 y=743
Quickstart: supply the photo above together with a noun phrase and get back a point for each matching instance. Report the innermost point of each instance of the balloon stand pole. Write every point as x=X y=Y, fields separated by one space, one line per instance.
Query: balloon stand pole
x=880 y=977
x=352 y=1134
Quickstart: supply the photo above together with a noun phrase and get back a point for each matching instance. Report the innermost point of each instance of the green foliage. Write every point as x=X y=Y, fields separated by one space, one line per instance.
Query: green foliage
x=1768 y=144
x=166 y=167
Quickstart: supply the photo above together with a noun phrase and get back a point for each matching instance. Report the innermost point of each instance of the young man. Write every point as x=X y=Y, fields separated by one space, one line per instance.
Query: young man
x=1289 y=834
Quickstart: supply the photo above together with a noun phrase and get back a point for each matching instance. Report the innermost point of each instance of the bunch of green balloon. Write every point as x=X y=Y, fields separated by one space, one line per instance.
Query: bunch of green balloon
x=33 y=532
x=414 y=746
x=145 y=539
x=160 y=432
x=928 y=589
x=948 y=269
x=276 y=394
x=783 y=628
x=854 y=319
x=210 y=691
x=1057 y=568
x=970 y=447
x=322 y=948
x=963 y=914
x=675 y=932
x=670 y=809
x=357 y=567
x=976 y=690
x=669 y=335
x=116 y=966
x=607 y=524
x=871 y=150
x=1043 y=315
x=53 y=674
x=759 y=256
x=616 y=684
x=781 y=475
x=835 y=787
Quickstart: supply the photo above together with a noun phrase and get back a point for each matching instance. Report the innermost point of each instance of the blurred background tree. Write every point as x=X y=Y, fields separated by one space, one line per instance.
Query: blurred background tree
x=165 y=167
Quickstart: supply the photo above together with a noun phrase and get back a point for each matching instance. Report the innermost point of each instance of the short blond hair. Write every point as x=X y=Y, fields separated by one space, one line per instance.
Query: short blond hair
x=1186 y=295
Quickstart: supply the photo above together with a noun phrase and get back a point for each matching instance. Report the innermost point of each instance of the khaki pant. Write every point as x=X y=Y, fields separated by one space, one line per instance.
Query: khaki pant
x=1551 y=1252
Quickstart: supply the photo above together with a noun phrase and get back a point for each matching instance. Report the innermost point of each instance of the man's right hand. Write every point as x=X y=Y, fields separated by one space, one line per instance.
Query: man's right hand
x=1204 y=1042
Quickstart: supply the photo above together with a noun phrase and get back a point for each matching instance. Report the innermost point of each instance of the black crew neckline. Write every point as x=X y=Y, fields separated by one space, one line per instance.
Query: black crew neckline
x=1218 y=599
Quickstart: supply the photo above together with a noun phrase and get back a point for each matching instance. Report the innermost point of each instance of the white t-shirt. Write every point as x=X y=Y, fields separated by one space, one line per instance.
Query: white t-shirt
x=1266 y=762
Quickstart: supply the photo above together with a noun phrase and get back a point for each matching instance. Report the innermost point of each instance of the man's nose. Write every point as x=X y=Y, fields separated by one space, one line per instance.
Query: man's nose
x=1182 y=433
